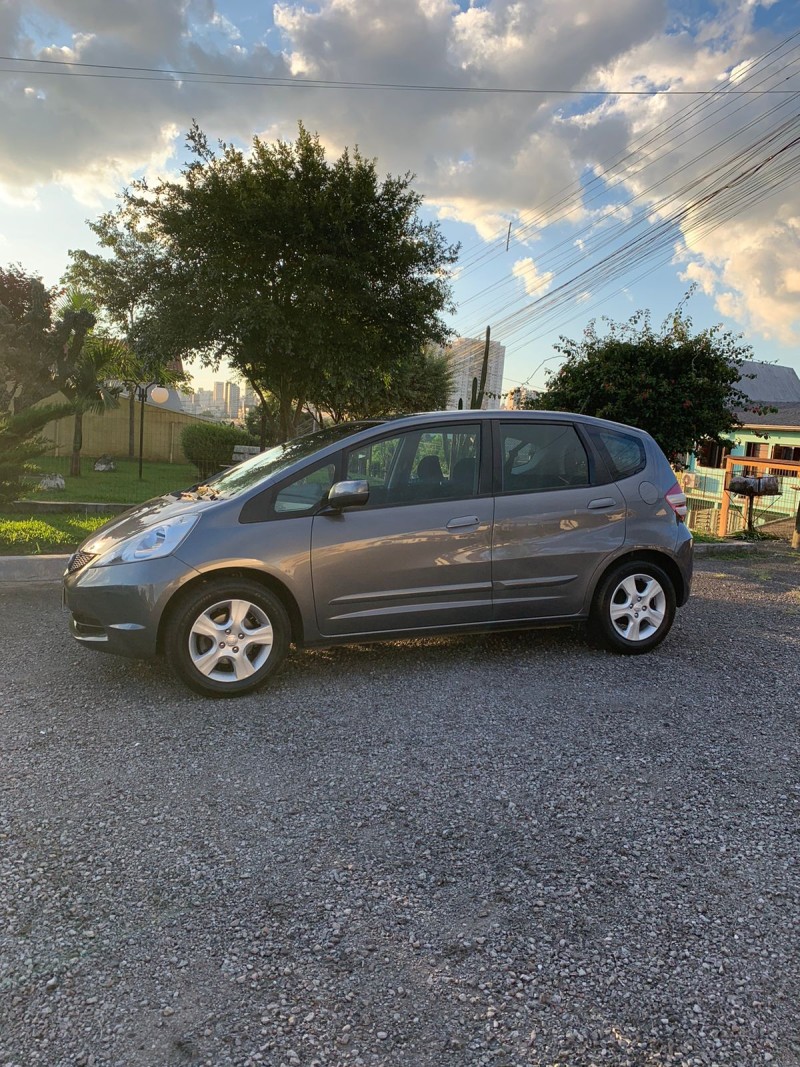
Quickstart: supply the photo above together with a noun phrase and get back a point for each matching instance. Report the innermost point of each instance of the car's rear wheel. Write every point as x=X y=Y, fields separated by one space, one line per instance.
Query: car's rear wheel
x=633 y=609
x=227 y=637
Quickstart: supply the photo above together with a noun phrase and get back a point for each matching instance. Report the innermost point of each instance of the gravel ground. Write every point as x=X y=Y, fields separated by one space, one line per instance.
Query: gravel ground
x=507 y=850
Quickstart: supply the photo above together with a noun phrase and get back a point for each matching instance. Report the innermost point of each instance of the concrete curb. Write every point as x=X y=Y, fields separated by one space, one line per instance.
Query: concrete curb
x=72 y=507
x=32 y=568
x=725 y=547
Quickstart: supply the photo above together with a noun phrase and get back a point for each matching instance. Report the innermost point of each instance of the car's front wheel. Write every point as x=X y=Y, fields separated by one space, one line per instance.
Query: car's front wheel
x=633 y=609
x=227 y=637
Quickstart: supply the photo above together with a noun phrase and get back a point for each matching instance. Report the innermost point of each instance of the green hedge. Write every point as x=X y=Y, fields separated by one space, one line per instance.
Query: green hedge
x=210 y=446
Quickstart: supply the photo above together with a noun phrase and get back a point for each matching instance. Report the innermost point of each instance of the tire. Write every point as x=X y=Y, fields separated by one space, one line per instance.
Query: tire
x=213 y=655
x=633 y=609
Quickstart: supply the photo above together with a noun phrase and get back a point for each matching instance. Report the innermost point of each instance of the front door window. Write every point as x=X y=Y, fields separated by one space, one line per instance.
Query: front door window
x=441 y=463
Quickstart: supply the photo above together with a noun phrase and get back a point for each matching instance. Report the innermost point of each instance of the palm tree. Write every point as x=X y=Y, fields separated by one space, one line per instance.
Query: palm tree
x=91 y=388
x=135 y=370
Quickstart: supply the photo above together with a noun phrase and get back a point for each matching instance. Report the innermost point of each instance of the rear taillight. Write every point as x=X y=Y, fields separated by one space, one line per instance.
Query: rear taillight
x=676 y=498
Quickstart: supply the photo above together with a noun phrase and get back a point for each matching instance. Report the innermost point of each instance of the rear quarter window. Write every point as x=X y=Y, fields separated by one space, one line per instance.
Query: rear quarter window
x=624 y=454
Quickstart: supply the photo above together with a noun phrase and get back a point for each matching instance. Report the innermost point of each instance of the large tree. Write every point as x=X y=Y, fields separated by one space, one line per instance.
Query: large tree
x=118 y=279
x=292 y=268
x=39 y=348
x=679 y=385
x=42 y=347
x=421 y=381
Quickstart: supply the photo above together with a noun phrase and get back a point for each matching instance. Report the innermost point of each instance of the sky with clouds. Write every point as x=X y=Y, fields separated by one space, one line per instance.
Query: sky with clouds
x=637 y=147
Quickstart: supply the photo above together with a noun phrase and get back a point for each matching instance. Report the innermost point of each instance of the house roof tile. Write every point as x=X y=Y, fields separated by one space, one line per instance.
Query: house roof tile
x=785 y=415
x=771 y=385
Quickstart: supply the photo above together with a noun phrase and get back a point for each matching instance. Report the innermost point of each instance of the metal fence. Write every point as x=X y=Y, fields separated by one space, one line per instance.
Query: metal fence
x=712 y=508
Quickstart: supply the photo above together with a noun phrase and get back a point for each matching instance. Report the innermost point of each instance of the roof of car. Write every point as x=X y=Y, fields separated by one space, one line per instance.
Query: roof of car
x=501 y=413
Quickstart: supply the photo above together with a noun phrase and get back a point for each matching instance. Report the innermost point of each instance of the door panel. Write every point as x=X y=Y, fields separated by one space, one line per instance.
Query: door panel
x=393 y=568
x=552 y=527
x=547 y=546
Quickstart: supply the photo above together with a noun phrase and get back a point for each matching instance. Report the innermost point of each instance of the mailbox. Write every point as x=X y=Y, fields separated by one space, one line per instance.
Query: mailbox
x=744 y=485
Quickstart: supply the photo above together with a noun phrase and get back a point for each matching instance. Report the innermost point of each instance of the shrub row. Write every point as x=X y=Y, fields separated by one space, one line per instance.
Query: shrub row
x=210 y=446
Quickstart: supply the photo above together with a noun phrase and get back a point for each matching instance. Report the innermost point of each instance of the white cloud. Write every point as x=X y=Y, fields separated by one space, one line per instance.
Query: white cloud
x=219 y=22
x=536 y=282
x=102 y=180
x=480 y=158
x=749 y=269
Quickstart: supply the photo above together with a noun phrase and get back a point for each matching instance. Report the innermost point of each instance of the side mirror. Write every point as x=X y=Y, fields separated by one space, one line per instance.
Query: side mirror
x=347 y=495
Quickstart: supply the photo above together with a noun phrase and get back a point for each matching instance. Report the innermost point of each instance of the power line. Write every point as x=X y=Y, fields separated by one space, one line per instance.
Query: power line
x=578 y=195
x=741 y=186
x=198 y=77
x=605 y=255
x=750 y=177
x=593 y=238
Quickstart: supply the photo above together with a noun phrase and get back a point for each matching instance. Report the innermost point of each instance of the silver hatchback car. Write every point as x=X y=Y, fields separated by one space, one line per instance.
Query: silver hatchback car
x=426 y=524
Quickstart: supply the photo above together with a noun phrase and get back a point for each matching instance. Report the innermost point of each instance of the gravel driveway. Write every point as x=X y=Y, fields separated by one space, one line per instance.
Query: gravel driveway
x=507 y=850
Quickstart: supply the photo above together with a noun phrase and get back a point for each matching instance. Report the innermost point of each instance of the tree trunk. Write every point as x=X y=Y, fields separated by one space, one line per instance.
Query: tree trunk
x=286 y=417
x=265 y=420
x=77 y=445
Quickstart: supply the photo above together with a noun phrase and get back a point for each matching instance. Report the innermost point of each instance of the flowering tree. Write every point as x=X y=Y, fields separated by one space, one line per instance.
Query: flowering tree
x=679 y=386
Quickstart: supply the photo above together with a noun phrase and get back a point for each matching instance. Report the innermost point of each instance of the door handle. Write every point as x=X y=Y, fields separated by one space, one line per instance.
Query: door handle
x=465 y=520
x=602 y=502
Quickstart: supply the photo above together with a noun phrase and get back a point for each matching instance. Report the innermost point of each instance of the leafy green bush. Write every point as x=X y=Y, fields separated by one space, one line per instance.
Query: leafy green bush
x=210 y=445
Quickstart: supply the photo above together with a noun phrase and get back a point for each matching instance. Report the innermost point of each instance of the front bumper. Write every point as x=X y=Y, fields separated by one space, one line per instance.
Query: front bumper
x=118 y=608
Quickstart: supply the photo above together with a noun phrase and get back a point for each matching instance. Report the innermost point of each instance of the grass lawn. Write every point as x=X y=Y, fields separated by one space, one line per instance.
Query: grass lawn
x=121 y=486
x=22 y=535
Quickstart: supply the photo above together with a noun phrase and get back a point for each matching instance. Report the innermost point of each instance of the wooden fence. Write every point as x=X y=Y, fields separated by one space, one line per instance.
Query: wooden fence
x=107 y=434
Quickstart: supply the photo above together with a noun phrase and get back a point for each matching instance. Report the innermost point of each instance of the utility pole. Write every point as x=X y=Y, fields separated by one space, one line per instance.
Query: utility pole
x=478 y=390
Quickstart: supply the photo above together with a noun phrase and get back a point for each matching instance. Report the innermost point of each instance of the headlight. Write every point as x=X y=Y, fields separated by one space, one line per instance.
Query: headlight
x=156 y=541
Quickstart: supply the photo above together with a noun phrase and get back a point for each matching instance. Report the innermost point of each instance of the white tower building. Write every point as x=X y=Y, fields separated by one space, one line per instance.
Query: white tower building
x=465 y=356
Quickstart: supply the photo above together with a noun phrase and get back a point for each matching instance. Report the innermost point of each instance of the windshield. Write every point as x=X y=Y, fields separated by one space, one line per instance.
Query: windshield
x=245 y=475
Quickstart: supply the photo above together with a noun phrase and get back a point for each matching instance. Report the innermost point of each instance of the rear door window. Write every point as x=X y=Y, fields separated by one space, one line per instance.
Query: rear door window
x=541 y=455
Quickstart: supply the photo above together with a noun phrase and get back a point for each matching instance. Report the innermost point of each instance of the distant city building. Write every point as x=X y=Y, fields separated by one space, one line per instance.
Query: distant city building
x=223 y=402
x=465 y=356
x=232 y=397
x=520 y=399
x=199 y=402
